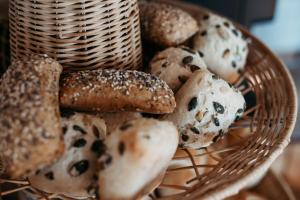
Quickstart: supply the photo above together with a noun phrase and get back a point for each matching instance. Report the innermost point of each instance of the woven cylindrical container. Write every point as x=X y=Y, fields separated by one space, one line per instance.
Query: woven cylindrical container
x=80 y=34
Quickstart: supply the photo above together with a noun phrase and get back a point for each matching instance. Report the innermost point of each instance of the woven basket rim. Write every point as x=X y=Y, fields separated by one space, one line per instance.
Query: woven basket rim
x=255 y=175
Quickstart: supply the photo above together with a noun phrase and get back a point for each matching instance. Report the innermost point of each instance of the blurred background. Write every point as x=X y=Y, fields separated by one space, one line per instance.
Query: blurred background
x=277 y=24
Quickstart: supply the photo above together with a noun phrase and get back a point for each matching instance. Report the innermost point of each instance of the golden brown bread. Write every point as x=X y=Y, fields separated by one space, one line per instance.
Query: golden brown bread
x=166 y=25
x=108 y=90
x=30 y=130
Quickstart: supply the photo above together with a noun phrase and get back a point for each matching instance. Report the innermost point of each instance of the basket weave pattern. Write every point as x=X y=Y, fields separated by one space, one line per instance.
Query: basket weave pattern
x=269 y=123
x=80 y=34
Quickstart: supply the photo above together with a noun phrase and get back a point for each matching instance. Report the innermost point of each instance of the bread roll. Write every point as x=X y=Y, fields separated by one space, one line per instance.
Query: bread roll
x=30 y=130
x=75 y=173
x=207 y=106
x=138 y=153
x=222 y=46
x=116 y=90
x=176 y=65
x=166 y=25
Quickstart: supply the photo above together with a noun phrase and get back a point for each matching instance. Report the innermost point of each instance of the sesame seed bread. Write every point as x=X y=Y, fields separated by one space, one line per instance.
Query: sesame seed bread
x=138 y=152
x=75 y=173
x=30 y=130
x=166 y=25
x=222 y=46
x=176 y=65
x=108 y=90
x=206 y=107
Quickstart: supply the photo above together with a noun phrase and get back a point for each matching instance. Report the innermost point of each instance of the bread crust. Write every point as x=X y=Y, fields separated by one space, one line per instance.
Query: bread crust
x=116 y=90
x=30 y=130
x=166 y=25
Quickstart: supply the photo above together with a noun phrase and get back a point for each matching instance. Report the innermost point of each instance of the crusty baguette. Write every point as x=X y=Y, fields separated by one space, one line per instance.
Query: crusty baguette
x=30 y=130
x=116 y=90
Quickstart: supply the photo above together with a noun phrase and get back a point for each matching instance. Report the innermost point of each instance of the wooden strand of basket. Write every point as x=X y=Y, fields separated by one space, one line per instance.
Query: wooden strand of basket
x=21 y=188
x=25 y=184
x=244 y=74
x=206 y=153
x=193 y=162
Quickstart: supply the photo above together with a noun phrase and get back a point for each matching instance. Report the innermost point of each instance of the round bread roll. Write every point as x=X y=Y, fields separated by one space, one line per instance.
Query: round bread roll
x=166 y=25
x=222 y=46
x=114 y=120
x=207 y=106
x=30 y=130
x=175 y=65
x=74 y=174
x=138 y=153
x=109 y=90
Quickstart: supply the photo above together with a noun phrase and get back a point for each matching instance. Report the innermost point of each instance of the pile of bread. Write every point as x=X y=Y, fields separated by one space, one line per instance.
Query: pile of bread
x=112 y=134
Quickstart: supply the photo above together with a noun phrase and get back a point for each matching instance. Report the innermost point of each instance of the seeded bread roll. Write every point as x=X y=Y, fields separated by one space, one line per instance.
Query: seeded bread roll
x=222 y=46
x=175 y=65
x=30 y=130
x=74 y=174
x=166 y=25
x=116 y=90
x=138 y=153
x=207 y=106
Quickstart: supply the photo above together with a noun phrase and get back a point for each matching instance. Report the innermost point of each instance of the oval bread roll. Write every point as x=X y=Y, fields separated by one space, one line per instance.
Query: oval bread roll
x=166 y=25
x=222 y=46
x=207 y=106
x=176 y=65
x=74 y=174
x=116 y=90
x=138 y=152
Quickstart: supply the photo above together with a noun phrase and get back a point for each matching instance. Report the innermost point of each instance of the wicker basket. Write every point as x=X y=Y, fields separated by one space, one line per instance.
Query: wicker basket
x=80 y=34
x=267 y=126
